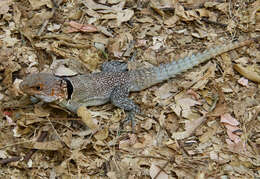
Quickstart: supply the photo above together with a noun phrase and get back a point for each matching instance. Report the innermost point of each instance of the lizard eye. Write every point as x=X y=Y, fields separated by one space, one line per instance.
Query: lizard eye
x=38 y=88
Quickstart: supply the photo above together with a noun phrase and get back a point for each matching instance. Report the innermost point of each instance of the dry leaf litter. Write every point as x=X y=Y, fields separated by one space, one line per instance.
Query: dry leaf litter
x=204 y=123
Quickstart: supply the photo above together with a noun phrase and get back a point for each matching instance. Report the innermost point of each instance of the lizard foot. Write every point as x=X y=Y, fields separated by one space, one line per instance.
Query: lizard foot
x=130 y=117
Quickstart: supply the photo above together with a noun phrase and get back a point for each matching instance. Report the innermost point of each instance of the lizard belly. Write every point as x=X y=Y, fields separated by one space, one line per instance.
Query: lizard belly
x=87 y=100
x=74 y=105
x=95 y=101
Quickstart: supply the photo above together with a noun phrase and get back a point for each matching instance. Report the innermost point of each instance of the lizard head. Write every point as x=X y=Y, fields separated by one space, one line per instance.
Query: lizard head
x=44 y=86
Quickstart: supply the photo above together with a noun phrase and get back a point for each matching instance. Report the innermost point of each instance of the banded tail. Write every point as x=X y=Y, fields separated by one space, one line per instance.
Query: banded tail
x=144 y=78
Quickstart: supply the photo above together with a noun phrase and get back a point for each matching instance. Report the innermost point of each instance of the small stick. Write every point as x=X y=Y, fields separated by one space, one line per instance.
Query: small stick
x=9 y=160
x=31 y=152
x=28 y=155
x=55 y=6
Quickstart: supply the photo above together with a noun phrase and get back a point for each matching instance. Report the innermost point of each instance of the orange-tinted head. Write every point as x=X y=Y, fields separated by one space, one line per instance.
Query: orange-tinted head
x=44 y=86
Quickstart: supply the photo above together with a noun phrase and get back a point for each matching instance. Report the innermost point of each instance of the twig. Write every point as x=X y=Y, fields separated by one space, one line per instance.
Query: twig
x=28 y=155
x=55 y=6
x=9 y=160
x=161 y=169
x=18 y=143
x=149 y=156
x=41 y=138
x=213 y=22
x=57 y=134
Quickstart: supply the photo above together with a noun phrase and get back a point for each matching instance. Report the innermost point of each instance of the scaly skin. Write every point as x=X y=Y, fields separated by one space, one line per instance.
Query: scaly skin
x=114 y=82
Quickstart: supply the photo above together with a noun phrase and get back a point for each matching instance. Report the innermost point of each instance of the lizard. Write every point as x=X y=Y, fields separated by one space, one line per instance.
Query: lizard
x=114 y=82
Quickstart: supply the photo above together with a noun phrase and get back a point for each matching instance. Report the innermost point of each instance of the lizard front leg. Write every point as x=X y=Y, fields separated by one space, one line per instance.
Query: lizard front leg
x=119 y=98
x=114 y=66
x=71 y=106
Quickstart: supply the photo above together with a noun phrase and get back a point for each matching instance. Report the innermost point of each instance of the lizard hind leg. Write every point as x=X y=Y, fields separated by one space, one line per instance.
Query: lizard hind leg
x=114 y=66
x=119 y=98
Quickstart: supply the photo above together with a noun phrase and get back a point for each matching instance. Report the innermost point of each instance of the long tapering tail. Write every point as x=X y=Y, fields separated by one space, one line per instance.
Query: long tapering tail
x=144 y=78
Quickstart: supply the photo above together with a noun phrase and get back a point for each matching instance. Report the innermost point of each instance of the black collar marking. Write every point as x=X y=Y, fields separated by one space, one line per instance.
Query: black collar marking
x=69 y=88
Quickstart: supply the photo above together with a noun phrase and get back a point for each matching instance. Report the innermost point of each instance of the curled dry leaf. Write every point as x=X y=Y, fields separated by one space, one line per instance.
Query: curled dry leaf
x=90 y=59
x=7 y=39
x=54 y=27
x=95 y=6
x=146 y=141
x=158 y=43
x=235 y=138
x=16 y=86
x=76 y=27
x=236 y=147
x=243 y=81
x=218 y=157
x=232 y=128
x=16 y=132
x=102 y=134
x=1 y=96
x=183 y=107
x=4 y=6
x=188 y=15
x=125 y=144
x=59 y=68
x=253 y=12
x=164 y=91
x=38 y=19
x=158 y=172
x=193 y=93
x=49 y=145
x=37 y=4
x=124 y=16
x=147 y=125
x=190 y=127
x=222 y=7
x=171 y=21
x=111 y=175
x=141 y=43
x=227 y=118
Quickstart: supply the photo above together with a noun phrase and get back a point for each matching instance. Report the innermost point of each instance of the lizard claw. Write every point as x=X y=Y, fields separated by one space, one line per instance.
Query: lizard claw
x=130 y=117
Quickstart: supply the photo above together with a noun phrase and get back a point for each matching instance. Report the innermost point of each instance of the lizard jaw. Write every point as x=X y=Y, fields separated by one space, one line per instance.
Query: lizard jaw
x=47 y=99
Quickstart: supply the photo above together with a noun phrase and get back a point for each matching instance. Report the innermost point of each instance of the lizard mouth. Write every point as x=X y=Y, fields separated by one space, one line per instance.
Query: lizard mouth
x=47 y=99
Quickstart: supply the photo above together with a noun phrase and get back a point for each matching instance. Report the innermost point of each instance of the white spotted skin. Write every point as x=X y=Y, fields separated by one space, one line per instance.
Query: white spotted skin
x=96 y=88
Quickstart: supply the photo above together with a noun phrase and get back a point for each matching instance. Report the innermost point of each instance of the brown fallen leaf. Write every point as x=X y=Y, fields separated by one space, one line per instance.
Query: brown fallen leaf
x=4 y=6
x=233 y=137
x=190 y=127
x=232 y=128
x=183 y=107
x=164 y=91
x=102 y=134
x=76 y=27
x=243 y=81
x=236 y=147
x=157 y=171
x=227 y=118
x=124 y=16
x=37 y=4
x=48 y=145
